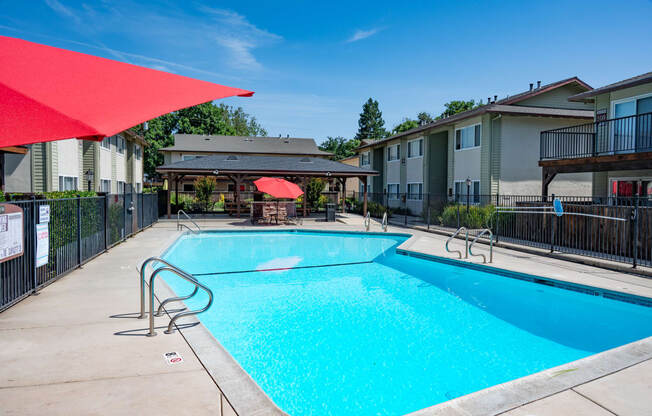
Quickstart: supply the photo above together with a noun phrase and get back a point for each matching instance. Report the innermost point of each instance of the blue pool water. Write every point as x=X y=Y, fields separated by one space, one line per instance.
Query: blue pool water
x=388 y=336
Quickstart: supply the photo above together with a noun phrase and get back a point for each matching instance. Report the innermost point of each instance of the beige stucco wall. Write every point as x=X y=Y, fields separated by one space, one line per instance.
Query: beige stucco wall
x=520 y=173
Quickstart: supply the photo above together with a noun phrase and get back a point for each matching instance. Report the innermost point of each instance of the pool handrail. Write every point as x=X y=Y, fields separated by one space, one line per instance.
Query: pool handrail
x=385 y=222
x=491 y=245
x=141 y=272
x=367 y=221
x=180 y=225
x=455 y=234
x=185 y=276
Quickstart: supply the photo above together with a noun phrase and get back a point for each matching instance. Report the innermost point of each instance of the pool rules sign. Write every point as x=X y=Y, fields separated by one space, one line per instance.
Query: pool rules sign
x=11 y=232
x=42 y=236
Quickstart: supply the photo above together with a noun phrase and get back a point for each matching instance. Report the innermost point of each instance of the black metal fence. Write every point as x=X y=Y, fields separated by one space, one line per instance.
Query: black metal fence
x=79 y=229
x=592 y=234
x=619 y=135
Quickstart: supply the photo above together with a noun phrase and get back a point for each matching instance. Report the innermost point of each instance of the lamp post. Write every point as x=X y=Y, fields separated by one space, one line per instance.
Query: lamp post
x=468 y=193
x=88 y=175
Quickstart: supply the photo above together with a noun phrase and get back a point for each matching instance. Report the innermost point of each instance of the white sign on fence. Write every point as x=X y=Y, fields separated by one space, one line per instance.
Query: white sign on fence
x=42 y=244
x=11 y=235
x=43 y=214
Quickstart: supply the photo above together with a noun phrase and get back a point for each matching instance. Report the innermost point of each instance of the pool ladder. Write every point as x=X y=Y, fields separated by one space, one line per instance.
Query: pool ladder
x=181 y=225
x=383 y=224
x=169 y=267
x=468 y=248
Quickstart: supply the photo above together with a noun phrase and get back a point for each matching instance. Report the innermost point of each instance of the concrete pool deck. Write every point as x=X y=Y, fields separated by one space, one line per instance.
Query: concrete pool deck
x=76 y=348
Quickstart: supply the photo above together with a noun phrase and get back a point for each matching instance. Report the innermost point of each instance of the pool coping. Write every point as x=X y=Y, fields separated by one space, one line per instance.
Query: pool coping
x=246 y=397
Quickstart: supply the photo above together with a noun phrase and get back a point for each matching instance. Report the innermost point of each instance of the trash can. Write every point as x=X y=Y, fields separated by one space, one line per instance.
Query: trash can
x=330 y=212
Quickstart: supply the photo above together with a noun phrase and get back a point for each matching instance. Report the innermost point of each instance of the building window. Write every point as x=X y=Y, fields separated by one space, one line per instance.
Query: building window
x=415 y=148
x=392 y=190
x=67 y=183
x=119 y=144
x=137 y=152
x=364 y=159
x=393 y=152
x=188 y=187
x=105 y=185
x=460 y=191
x=121 y=187
x=415 y=191
x=468 y=137
x=106 y=143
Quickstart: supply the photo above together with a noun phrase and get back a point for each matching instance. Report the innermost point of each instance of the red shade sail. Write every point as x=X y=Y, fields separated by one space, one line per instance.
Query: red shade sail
x=47 y=93
x=278 y=188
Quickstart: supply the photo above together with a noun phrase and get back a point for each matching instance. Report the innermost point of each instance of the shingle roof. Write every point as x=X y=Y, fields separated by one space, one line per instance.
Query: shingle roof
x=626 y=83
x=244 y=144
x=503 y=106
x=264 y=164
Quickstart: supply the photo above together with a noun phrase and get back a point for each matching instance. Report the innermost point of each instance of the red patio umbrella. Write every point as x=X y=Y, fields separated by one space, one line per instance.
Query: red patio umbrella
x=47 y=93
x=278 y=188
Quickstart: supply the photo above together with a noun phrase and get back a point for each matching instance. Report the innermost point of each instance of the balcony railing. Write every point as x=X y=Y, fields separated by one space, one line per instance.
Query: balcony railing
x=631 y=134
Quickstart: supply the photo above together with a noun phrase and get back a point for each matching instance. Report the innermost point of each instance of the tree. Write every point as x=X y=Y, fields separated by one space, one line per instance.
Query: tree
x=457 y=106
x=206 y=118
x=339 y=147
x=204 y=187
x=424 y=118
x=371 y=125
x=406 y=125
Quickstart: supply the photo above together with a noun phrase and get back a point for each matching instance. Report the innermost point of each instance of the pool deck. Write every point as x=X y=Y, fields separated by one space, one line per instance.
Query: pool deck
x=77 y=349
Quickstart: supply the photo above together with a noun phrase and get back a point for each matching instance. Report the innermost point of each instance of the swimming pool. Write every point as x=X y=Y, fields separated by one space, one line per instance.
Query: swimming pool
x=373 y=332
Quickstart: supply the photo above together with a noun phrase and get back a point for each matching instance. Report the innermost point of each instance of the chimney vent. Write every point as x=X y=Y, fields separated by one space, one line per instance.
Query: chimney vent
x=488 y=100
x=538 y=84
x=495 y=98
x=531 y=86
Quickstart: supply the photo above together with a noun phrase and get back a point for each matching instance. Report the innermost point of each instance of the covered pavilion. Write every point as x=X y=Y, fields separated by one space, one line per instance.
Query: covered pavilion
x=240 y=168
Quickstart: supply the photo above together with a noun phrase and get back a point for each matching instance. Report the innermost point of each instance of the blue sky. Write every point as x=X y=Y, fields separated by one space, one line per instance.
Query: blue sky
x=313 y=65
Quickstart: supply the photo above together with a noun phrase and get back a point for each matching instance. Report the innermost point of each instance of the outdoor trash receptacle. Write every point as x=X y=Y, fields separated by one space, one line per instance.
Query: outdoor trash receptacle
x=330 y=212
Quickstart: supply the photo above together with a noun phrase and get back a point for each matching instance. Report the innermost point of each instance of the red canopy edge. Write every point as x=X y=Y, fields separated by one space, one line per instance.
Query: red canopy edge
x=48 y=93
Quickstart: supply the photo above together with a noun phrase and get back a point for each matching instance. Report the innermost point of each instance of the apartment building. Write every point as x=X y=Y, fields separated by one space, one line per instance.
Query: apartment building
x=616 y=147
x=495 y=147
x=114 y=165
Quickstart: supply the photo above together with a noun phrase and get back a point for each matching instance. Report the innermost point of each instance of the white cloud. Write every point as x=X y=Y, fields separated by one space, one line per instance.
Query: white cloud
x=363 y=34
x=62 y=10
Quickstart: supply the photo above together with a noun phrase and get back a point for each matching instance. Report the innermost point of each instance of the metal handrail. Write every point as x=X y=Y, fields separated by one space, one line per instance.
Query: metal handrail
x=186 y=277
x=179 y=224
x=384 y=223
x=142 y=284
x=459 y=230
x=367 y=221
x=491 y=245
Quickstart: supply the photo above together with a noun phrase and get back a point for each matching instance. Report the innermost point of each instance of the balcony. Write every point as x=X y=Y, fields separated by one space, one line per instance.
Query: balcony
x=618 y=136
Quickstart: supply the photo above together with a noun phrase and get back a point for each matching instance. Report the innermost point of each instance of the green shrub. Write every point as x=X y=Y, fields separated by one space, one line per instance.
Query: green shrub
x=375 y=209
x=477 y=216
x=204 y=187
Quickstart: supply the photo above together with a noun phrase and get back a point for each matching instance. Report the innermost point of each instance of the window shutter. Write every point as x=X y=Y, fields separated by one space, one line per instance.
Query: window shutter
x=458 y=139
x=477 y=134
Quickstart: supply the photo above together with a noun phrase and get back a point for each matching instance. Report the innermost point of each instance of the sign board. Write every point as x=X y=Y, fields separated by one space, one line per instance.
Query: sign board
x=172 y=358
x=43 y=214
x=601 y=114
x=42 y=244
x=11 y=232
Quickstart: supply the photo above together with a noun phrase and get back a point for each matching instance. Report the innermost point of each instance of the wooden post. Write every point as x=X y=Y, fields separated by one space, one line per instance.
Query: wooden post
x=170 y=179
x=238 y=181
x=304 y=186
x=364 y=196
x=176 y=190
x=344 y=195
x=548 y=175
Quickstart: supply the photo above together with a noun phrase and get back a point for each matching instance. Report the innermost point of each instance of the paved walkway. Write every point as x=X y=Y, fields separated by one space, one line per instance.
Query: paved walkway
x=76 y=348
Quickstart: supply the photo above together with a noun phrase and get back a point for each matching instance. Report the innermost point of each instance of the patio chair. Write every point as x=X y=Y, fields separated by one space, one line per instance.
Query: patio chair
x=291 y=216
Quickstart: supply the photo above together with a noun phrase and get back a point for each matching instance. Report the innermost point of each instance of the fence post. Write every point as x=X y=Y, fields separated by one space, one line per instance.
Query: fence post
x=428 y=228
x=33 y=238
x=124 y=216
x=458 y=215
x=79 y=227
x=553 y=224
x=635 y=233
x=106 y=222
x=405 y=209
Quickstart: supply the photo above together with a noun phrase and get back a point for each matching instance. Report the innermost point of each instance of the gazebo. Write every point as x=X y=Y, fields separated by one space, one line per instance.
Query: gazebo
x=240 y=168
